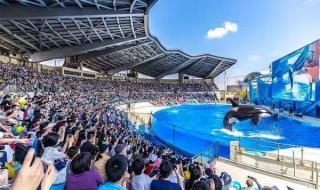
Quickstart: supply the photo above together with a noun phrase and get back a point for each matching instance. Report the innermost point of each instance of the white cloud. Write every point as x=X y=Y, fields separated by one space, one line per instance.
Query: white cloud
x=220 y=32
x=254 y=57
x=231 y=26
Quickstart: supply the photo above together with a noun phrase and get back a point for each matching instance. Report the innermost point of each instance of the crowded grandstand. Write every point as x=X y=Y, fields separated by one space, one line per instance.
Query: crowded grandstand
x=87 y=142
x=73 y=127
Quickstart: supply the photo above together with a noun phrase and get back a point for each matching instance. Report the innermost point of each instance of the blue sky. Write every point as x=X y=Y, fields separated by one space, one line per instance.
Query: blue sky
x=257 y=31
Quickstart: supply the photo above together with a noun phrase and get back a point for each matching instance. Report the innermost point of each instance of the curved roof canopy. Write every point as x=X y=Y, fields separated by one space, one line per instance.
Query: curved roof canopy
x=108 y=36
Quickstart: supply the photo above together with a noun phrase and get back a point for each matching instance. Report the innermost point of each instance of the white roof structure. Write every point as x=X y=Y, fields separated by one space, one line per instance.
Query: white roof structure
x=107 y=36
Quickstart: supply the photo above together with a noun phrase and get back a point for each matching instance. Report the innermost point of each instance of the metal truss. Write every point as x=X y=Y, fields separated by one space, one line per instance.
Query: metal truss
x=171 y=61
x=30 y=28
x=123 y=57
x=127 y=5
x=208 y=67
x=108 y=36
x=149 y=57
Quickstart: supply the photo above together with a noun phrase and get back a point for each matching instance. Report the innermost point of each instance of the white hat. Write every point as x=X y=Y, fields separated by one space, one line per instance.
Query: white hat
x=153 y=157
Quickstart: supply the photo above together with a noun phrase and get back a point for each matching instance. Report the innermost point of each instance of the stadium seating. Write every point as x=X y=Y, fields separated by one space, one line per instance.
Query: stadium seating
x=85 y=142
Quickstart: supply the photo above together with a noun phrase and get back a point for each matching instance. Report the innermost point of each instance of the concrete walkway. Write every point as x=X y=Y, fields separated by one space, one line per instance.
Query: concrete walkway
x=240 y=174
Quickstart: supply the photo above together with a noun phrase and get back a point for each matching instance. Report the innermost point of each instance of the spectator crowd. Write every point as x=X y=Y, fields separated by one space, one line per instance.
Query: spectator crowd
x=70 y=135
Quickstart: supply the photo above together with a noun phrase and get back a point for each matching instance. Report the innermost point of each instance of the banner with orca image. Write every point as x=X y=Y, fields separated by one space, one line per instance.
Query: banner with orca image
x=294 y=76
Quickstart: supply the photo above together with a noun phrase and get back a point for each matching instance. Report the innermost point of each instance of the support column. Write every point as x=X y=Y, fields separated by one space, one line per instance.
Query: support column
x=132 y=75
x=39 y=67
x=180 y=77
x=81 y=66
x=225 y=85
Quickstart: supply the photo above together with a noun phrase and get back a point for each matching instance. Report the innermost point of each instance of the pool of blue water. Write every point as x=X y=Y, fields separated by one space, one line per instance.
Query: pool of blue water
x=192 y=128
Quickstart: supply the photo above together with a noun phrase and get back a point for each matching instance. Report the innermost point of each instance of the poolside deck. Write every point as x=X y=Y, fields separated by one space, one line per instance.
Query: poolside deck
x=309 y=155
x=240 y=174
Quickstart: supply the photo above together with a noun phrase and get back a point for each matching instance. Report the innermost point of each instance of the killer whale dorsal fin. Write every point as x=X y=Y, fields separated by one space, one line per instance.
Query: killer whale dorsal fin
x=234 y=104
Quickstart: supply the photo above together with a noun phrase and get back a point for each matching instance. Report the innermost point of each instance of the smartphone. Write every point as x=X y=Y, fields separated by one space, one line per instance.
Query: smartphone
x=154 y=173
x=21 y=152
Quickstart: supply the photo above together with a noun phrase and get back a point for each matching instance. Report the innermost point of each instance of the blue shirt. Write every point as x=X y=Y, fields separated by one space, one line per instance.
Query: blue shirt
x=164 y=185
x=110 y=186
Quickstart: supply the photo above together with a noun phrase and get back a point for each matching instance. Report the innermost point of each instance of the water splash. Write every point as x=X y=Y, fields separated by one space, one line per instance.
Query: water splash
x=234 y=133
x=265 y=136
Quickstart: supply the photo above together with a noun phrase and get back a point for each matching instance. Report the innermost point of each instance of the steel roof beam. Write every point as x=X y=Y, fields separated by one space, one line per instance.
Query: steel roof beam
x=95 y=54
x=78 y=3
x=191 y=65
x=97 y=5
x=175 y=69
x=103 y=61
x=36 y=29
x=168 y=56
x=114 y=3
x=132 y=5
x=13 y=43
x=42 y=3
x=27 y=3
x=91 y=67
x=94 y=30
x=132 y=27
x=5 y=47
x=66 y=29
x=151 y=49
x=18 y=37
x=60 y=3
x=117 y=70
x=82 y=32
x=96 y=65
x=78 y=49
x=28 y=34
x=102 y=64
x=107 y=28
x=214 y=69
x=119 y=26
x=29 y=12
x=56 y=33
x=160 y=61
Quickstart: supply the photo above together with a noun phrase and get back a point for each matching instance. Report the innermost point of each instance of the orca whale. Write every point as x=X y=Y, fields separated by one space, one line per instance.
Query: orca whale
x=243 y=112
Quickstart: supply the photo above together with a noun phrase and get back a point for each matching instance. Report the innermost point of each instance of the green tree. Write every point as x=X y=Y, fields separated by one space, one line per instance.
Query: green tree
x=243 y=94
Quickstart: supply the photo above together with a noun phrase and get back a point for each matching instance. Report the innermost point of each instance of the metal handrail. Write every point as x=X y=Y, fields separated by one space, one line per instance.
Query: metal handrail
x=205 y=149
x=232 y=138
x=293 y=164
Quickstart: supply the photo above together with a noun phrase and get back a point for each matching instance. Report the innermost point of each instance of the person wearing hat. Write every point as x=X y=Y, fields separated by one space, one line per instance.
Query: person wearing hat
x=150 y=165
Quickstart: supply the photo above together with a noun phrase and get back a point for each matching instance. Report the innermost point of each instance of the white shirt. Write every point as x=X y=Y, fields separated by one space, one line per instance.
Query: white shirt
x=141 y=182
